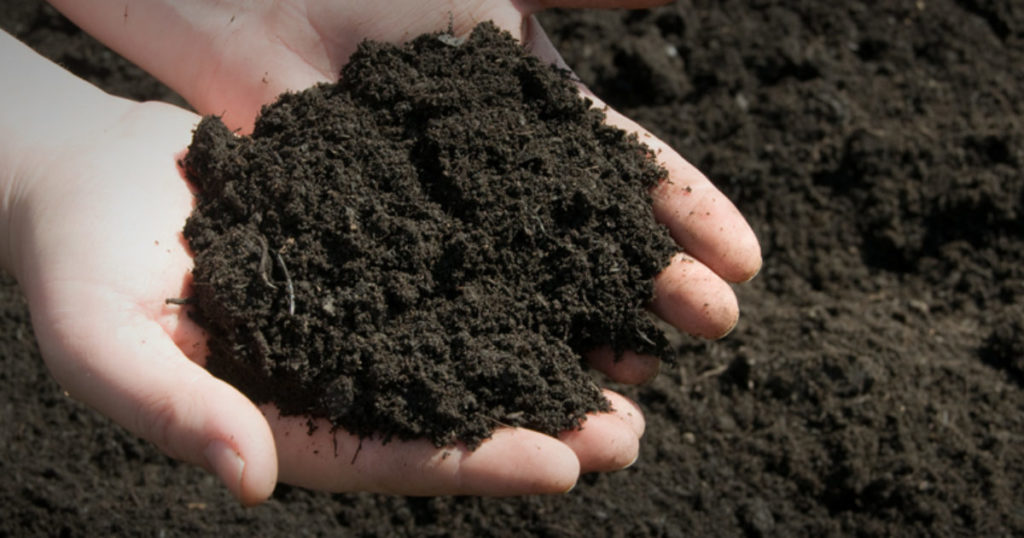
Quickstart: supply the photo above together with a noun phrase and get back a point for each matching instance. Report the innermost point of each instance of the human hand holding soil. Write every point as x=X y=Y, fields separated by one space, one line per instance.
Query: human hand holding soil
x=245 y=59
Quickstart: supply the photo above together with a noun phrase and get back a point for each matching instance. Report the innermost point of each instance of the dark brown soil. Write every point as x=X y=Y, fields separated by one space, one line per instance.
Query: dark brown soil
x=427 y=248
x=874 y=384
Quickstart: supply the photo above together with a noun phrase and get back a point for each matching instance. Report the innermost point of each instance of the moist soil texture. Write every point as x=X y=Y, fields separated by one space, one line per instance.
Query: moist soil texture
x=428 y=247
x=874 y=384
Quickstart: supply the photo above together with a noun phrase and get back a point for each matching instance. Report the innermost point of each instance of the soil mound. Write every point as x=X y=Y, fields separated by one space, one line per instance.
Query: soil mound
x=426 y=248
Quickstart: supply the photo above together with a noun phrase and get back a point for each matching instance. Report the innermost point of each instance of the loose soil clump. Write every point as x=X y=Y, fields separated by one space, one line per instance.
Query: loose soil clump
x=428 y=247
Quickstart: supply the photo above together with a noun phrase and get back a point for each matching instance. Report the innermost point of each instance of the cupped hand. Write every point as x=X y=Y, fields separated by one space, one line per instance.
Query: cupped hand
x=230 y=58
x=99 y=249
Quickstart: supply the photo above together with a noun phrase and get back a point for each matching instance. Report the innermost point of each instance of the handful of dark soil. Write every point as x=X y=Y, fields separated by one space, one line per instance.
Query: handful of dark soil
x=427 y=248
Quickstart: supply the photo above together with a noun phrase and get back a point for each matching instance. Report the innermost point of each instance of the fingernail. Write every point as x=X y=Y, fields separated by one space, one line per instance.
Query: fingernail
x=752 y=276
x=226 y=463
x=731 y=328
x=571 y=487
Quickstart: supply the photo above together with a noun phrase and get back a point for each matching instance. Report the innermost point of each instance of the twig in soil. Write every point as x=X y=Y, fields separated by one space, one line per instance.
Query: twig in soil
x=180 y=300
x=288 y=284
x=496 y=421
x=645 y=338
x=265 y=262
x=449 y=38
x=714 y=372
x=356 y=455
x=262 y=347
x=540 y=224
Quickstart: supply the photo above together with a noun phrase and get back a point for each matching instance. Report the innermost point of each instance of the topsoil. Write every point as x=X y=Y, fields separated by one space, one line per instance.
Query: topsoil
x=875 y=383
x=427 y=248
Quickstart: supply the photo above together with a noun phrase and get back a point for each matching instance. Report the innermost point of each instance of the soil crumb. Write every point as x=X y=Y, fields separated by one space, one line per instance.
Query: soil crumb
x=427 y=248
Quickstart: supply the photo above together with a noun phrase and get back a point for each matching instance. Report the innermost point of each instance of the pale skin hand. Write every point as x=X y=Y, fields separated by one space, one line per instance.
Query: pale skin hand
x=86 y=272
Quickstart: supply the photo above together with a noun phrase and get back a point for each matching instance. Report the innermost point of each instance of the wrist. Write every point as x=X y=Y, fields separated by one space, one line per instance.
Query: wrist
x=46 y=114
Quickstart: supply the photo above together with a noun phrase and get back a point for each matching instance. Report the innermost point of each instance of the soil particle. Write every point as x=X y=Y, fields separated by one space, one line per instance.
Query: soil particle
x=427 y=248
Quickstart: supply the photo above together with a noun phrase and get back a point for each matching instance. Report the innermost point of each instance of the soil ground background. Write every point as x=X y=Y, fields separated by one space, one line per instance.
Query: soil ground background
x=875 y=384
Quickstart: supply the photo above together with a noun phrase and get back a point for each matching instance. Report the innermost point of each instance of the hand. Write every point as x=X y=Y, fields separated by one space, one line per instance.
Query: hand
x=244 y=59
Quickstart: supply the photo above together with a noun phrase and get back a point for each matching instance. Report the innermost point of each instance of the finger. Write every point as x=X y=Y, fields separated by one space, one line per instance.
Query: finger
x=512 y=462
x=691 y=297
x=130 y=370
x=608 y=441
x=699 y=217
x=628 y=411
x=630 y=368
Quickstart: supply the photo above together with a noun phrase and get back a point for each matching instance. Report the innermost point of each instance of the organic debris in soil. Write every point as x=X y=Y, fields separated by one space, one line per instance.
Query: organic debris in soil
x=428 y=247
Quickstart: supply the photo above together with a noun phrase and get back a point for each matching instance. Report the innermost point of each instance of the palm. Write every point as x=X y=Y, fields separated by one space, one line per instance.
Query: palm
x=121 y=243
x=103 y=252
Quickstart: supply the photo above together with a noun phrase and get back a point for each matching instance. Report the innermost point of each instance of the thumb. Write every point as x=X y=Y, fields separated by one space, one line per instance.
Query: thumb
x=131 y=370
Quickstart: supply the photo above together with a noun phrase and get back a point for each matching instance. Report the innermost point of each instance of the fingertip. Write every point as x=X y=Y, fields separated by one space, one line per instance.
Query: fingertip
x=756 y=270
x=255 y=494
x=694 y=299
x=516 y=461
x=746 y=260
x=628 y=411
x=224 y=461
x=705 y=223
x=603 y=443
x=239 y=446
x=241 y=452
x=260 y=473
